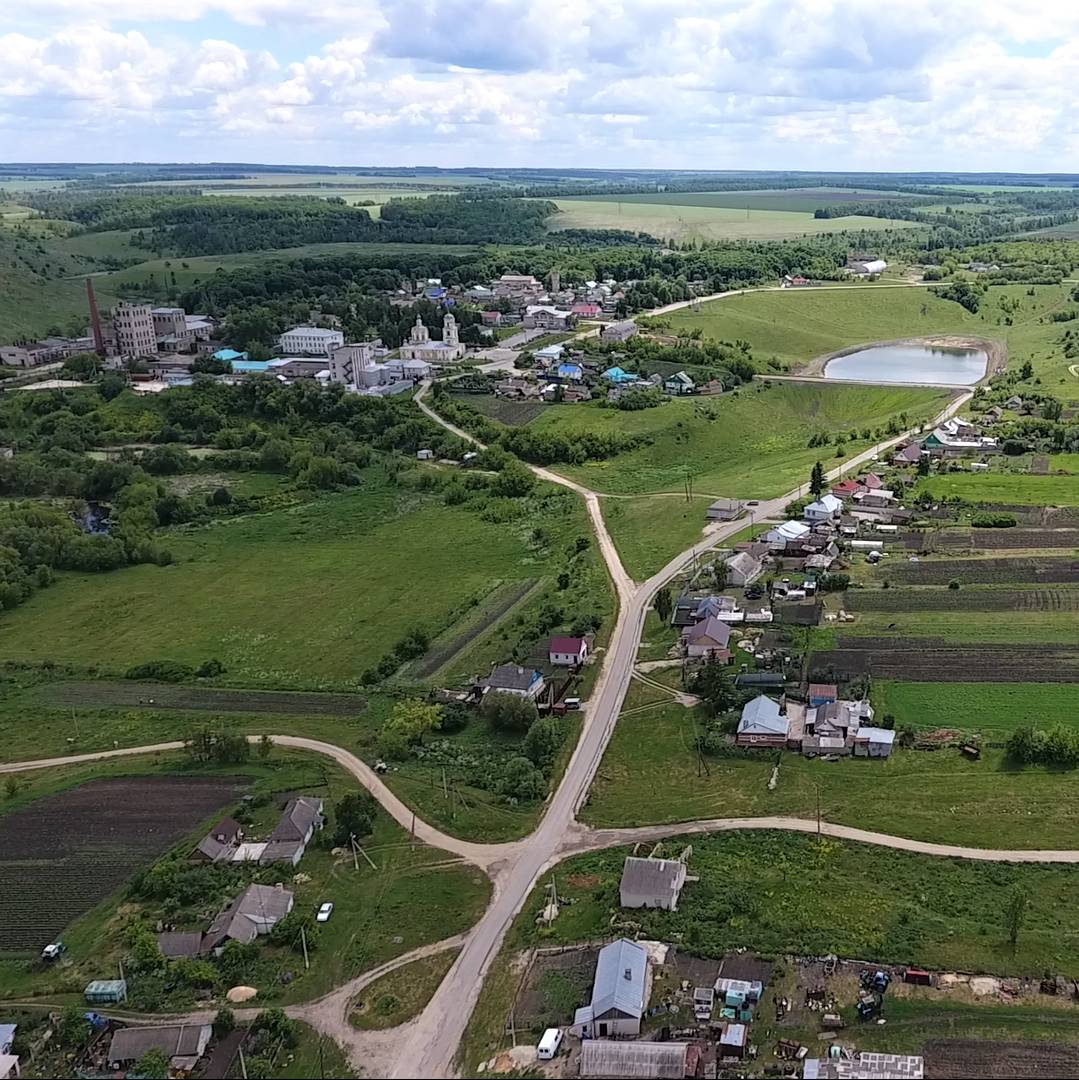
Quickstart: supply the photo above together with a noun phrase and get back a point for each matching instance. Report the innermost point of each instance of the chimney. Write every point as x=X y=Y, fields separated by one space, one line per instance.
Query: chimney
x=628 y=974
x=95 y=320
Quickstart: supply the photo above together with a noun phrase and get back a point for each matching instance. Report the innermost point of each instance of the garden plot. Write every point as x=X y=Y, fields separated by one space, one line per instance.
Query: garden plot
x=1052 y=568
x=976 y=599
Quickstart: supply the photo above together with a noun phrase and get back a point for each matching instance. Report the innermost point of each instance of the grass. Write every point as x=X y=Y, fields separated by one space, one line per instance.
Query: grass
x=1004 y=487
x=938 y=796
x=314 y=1055
x=995 y=709
x=401 y=994
x=892 y=906
x=376 y=914
x=795 y=326
x=651 y=529
x=804 y=200
x=307 y=596
x=749 y=444
x=978 y=627
x=670 y=221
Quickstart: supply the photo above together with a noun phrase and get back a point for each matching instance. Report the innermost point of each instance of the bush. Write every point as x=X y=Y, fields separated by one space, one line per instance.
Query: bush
x=986 y=520
x=161 y=671
x=508 y=712
x=209 y=668
x=953 y=585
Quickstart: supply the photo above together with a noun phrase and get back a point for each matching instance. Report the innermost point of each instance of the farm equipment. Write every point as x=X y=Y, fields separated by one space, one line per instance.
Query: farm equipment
x=876 y=981
x=782 y=1007
x=789 y=1050
x=869 y=1004
x=832 y=1021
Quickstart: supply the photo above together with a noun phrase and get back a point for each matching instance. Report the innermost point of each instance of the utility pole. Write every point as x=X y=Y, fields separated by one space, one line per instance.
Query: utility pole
x=817 y=786
x=355 y=861
x=303 y=941
x=243 y=1064
x=321 y=1062
x=412 y=830
x=445 y=791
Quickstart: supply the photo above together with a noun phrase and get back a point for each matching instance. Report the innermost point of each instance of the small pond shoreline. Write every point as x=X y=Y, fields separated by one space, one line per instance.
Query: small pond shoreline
x=995 y=351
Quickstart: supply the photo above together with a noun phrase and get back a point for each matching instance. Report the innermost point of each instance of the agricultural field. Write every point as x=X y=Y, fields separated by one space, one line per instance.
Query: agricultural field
x=796 y=200
x=749 y=444
x=681 y=221
x=242 y=591
x=505 y=411
x=912 y=909
x=66 y=852
x=1013 y=539
x=794 y=326
x=1040 y=569
x=934 y=796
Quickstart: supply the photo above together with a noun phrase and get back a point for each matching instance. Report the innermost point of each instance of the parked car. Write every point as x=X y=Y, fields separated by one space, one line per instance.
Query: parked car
x=324 y=912
x=53 y=951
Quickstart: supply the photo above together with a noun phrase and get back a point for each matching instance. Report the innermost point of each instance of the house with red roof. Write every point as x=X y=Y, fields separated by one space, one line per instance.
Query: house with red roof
x=872 y=481
x=586 y=311
x=567 y=651
x=846 y=488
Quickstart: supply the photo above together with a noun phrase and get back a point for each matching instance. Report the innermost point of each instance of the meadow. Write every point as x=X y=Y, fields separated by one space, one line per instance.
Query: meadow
x=753 y=891
x=1004 y=487
x=748 y=444
x=794 y=200
x=308 y=596
x=681 y=222
x=794 y=326
x=649 y=530
x=939 y=796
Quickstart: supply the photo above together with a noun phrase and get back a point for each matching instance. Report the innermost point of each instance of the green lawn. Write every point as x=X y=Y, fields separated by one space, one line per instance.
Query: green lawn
x=402 y=994
x=993 y=708
x=1004 y=487
x=986 y=627
x=796 y=325
x=749 y=444
x=303 y=597
x=315 y=1055
x=650 y=530
x=669 y=221
x=367 y=901
x=937 y=796
x=780 y=893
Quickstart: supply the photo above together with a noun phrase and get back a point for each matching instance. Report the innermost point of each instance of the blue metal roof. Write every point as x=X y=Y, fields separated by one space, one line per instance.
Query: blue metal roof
x=616 y=374
x=761 y=716
x=229 y=355
x=620 y=977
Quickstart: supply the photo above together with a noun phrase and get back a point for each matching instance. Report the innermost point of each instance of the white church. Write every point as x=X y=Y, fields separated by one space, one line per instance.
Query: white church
x=420 y=346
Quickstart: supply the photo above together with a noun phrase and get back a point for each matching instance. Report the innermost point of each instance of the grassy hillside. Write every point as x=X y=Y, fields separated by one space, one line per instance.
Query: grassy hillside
x=796 y=325
x=751 y=444
x=296 y=597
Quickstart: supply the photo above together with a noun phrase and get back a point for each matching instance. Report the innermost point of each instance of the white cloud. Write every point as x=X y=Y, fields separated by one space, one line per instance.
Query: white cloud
x=710 y=84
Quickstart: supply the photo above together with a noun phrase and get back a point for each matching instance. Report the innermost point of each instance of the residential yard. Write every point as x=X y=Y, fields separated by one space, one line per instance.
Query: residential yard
x=402 y=994
x=749 y=444
x=935 y=796
x=377 y=914
x=306 y=597
x=796 y=325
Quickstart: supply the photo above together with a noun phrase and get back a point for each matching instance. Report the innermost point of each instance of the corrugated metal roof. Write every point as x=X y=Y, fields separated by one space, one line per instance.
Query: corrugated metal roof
x=621 y=971
x=602 y=1057
x=761 y=717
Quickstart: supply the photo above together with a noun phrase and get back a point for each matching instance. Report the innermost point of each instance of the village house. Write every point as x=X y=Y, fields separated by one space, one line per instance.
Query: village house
x=220 y=843
x=514 y=679
x=879 y=498
x=709 y=637
x=574 y=393
x=762 y=724
x=521 y=389
x=620 y=992
x=569 y=372
x=724 y=510
x=517 y=286
x=549 y=355
x=651 y=883
x=786 y=533
x=618 y=331
x=480 y=294
x=826 y=508
x=491 y=318
x=182 y=1044
x=293 y=832
x=910 y=454
x=678 y=384
x=846 y=488
x=586 y=310
x=567 y=651
x=257 y=910
x=743 y=568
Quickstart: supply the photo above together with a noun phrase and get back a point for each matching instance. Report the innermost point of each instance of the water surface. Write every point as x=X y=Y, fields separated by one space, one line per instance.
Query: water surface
x=926 y=364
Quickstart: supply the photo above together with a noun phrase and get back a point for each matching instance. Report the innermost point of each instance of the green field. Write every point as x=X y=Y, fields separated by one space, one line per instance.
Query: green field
x=402 y=994
x=682 y=222
x=973 y=627
x=749 y=444
x=1004 y=487
x=649 y=530
x=314 y=1055
x=780 y=894
x=937 y=796
x=993 y=708
x=303 y=597
x=795 y=326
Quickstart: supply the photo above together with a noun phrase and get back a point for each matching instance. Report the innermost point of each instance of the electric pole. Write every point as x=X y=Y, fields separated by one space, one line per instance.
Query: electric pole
x=303 y=941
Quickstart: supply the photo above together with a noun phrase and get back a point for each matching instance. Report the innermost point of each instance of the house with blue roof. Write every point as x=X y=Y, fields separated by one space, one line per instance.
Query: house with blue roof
x=617 y=375
x=619 y=993
x=762 y=724
x=229 y=356
x=573 y=372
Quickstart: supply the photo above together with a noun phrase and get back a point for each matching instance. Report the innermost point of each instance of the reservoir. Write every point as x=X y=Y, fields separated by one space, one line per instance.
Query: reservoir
x=910 y=363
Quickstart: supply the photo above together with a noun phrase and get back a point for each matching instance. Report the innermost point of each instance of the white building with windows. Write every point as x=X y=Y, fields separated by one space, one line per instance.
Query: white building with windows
x=133 y=327
x=309 y=341
x=420 y=346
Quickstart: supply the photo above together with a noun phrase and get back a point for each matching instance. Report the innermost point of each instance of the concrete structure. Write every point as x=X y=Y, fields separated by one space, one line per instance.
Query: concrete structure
x=656 y=1060
x=310 y=341
x=420 y=346
x=619 y=331
x=567 y=651
x=762 y=724
x=742 y=568
x=257 y=910
x=289 y=840
x=47 y=351
x=182 y=1044
x=543 y=317
x=724 y=510
x=651 y=883
x=133 y=328
x=514 y=679
x=619 y=993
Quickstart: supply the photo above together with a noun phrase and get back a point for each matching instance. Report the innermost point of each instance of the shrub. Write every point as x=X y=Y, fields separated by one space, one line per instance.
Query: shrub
x=986 y=520
x=161 y=671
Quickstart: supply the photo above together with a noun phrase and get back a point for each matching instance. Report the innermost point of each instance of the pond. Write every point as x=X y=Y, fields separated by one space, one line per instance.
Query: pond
x=910 y=363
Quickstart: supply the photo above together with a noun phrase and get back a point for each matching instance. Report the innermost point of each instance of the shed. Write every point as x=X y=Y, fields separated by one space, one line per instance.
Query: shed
x=822 y=693
x=174 y=945
x=651 y=883
x=106 y=991
x=600 y=1057
x=732 y=1043
x=173 y=1040
x=873 y=742
x=724 y=509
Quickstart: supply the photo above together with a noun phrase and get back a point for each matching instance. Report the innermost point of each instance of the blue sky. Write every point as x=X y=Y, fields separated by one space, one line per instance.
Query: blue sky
x=770 y=84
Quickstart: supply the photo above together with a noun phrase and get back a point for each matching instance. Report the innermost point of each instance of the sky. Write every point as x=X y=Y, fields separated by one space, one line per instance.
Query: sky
x=972 y=85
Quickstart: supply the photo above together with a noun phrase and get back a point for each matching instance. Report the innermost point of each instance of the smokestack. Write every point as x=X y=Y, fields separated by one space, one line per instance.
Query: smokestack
x=95 y=320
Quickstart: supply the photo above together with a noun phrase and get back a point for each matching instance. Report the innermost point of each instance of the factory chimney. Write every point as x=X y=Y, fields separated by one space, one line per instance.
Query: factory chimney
x=95 y=320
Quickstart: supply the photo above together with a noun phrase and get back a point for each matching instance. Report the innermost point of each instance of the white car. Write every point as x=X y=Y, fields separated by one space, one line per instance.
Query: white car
x=324 y=912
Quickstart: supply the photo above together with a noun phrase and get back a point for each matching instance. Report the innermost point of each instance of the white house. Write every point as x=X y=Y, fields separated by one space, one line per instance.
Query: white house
x=788 y=531
x=742 y=568
x=825 y=508
x=567 y=651
x=619 y=993
x=545 y=317
x=513 y=679
x=310 y=341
